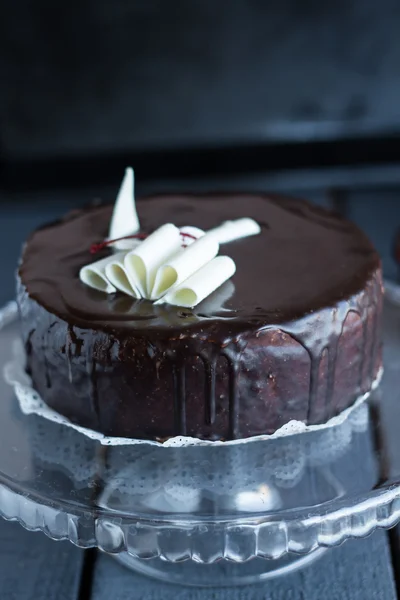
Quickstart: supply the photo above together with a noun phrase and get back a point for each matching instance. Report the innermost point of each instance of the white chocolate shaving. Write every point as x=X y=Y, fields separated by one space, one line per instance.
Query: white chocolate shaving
x=118 y=276
x=183 y=265
x=142 y=263
x=216 y=300
x=201 y=284
x=194 y=233
x=230 y=231
x=127 y=244
x=94 y=275
x=124 y=220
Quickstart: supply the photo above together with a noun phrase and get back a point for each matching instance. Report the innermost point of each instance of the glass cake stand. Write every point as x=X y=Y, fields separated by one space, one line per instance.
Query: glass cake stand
x=198 y=514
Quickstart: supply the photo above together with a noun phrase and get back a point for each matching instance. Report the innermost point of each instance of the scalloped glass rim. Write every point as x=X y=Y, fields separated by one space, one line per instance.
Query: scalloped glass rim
x=269 y=537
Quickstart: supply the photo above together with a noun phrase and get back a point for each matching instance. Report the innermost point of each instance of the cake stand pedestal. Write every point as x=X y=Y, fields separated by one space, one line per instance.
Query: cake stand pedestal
x=207 y=515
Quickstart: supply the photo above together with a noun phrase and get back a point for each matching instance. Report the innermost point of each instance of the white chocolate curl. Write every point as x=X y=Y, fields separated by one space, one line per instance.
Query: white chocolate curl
x=193 y=234
x=94 y=275
x=183 y=265
x=202 y=283
x=119 y=277
x=142 y=263
x=124 y=220
x=216 y=300
x=230 y=231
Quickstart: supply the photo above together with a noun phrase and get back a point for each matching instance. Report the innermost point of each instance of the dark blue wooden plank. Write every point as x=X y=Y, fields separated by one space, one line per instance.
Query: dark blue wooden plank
x=33 y=567
x=358 y=570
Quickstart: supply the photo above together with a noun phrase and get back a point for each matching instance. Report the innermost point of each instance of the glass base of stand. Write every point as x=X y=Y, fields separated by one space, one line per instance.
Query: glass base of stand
x=222 y=573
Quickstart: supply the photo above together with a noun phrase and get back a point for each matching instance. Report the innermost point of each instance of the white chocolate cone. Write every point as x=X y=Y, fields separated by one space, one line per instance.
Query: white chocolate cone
x=124 y=220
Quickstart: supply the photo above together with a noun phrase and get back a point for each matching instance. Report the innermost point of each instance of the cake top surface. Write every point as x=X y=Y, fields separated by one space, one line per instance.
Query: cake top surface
x=305 y=259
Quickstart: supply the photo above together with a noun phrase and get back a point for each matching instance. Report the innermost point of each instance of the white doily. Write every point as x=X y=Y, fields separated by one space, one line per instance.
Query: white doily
x=73 y=453
x=242 y=474
x=149 y=472
x=31 y=403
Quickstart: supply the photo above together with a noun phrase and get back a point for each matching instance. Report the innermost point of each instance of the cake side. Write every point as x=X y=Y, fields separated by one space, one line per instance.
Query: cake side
x=296 y=335
x=251 y=385
x=312 y=369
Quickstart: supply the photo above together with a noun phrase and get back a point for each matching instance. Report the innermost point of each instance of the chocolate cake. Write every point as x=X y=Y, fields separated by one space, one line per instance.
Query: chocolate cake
x=295 y=334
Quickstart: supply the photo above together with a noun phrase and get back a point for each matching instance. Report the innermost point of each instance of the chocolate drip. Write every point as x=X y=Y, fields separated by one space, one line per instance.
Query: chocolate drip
x=233 y=401
x=316 y=336
x=233 y=357
x=70 y=333
x=93 y=392
x=45 y=361
x=361 y=308
x=179 y=377
x=209 y=389
x=339 y=316
x=378 y=302
x=314 y=346
x=315 y=340
x=363 y=304
x=314 y=372
x=375 y=342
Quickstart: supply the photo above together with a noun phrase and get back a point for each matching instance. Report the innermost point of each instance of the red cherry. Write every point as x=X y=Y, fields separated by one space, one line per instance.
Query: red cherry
x=95 y=248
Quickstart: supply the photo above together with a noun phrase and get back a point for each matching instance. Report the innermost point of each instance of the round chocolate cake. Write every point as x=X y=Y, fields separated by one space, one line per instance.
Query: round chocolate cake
x=295 y=334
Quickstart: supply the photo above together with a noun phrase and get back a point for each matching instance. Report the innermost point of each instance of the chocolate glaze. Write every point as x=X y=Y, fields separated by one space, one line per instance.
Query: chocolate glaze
x=293 y=335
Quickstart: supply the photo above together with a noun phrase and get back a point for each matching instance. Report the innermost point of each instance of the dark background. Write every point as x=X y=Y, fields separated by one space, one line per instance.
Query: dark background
x=91 y=78
x=301 y=97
